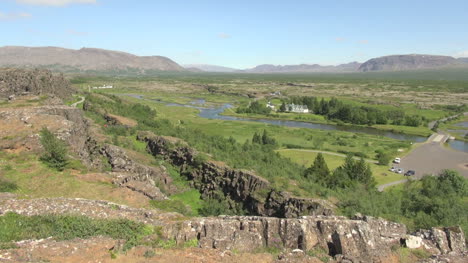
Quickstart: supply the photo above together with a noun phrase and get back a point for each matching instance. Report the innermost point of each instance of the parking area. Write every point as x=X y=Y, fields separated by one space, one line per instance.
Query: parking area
x=432 y=157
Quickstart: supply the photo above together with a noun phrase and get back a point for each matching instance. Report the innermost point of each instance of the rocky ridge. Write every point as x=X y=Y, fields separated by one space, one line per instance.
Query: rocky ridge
x=361 y=239
x=15 y=82
x=254 y=193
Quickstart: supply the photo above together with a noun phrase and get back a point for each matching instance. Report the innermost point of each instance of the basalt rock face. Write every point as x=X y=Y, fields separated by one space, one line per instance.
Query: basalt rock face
x=239 y=186
x=33 y=82
x=442 y=240
x=138 y=177
x=362 y=240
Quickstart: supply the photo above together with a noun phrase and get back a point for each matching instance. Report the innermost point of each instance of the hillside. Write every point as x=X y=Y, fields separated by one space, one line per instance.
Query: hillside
x=407 y=62
x=84 y=59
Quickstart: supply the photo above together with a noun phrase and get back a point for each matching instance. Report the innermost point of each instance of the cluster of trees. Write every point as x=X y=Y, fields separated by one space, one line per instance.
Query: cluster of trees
x=338 y=110
x=432 y=201
x=254 y=107
x=352 y=172
x=264 y=139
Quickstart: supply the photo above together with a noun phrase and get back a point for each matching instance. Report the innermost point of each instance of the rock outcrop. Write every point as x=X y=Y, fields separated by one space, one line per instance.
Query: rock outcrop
x=361 y=239
x=138 y=177
x=22 y=125
x=254 y=193
x=33 y=82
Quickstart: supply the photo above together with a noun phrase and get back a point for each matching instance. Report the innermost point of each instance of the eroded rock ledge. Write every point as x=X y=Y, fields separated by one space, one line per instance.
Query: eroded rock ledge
x=255 y=193
x=361 y=239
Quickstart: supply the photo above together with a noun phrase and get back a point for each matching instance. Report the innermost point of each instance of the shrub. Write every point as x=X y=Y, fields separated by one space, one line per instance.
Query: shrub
x=55 y=155
x=7 y=186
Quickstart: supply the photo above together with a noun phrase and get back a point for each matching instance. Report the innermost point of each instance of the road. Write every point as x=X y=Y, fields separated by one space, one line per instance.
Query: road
x=78 y=102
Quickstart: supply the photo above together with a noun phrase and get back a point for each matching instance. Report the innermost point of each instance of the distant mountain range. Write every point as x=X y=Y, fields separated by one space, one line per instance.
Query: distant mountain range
x=385 y=63
x=210 y=68
x=267 y=68
x=85 y=59
x=409 y=62
x=101 y=60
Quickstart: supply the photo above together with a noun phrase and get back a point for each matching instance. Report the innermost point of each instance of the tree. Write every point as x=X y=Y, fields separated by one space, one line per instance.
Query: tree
x=319 y=171
x=55 y=155
x=256 y=138
x=267 y=140
x=282 y=108
x=383 y=158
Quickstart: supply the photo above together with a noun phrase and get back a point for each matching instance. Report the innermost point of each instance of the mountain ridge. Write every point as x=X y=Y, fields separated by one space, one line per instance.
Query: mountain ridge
x=83 y=59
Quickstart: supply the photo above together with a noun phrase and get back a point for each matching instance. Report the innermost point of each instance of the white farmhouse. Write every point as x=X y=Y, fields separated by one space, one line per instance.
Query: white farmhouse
x=270 y=105
x=297 y=108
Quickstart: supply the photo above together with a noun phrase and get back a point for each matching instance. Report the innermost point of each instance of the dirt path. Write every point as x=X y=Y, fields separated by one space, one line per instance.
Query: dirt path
x=78 y=102
x=333 y=153
x=383 y=186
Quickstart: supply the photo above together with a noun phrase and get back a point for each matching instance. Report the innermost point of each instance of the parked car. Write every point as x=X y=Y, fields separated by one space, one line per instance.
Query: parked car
x=400 y=170
x=410 y=173
x=392 y=169
x=397 y=160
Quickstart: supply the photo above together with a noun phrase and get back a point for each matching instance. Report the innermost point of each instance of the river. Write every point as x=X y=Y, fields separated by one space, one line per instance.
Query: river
x=216 y=113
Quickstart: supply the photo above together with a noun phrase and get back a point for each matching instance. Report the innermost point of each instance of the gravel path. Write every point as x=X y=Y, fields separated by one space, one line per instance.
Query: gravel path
x=78 y=102
x=383 y=186
x=333 y=153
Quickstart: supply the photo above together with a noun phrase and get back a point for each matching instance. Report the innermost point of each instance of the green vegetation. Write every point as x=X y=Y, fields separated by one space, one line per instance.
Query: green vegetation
x=254 y=107
x=351 y=182
x=432 y=201
x=7 y=185
x=55 y=155
x=15 y=227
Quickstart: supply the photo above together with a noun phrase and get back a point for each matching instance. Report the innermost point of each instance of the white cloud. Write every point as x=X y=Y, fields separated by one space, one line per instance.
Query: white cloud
x=55 y=2
x=339 y=39
x=461 y=54
x=224 y=36
x=14 y=16
x=363 y=42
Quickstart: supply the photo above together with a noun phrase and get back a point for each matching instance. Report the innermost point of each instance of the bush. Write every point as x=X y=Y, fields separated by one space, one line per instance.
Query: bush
x=383 y=158
x=7 y=186
x=55 y=155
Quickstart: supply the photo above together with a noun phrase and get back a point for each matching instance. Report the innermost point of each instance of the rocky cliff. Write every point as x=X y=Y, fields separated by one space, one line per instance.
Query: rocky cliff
x=252 y=192
x=361 y=239
x=85 y=59
x=33 y=82
x=407 y=62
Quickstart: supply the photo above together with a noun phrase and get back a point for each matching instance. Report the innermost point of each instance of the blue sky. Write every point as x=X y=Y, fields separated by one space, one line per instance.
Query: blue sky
x=242 y=33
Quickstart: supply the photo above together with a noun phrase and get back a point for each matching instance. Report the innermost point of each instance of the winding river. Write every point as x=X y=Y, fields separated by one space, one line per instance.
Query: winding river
x=215 y=113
